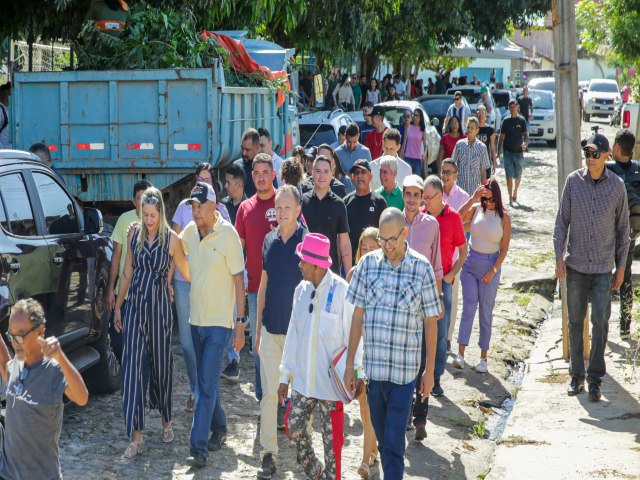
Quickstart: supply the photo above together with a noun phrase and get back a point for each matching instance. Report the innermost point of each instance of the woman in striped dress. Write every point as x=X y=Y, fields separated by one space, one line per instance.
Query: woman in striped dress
x=147 y=318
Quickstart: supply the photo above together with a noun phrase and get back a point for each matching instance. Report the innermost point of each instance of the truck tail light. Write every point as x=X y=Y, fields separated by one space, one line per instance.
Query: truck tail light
x=626 y=119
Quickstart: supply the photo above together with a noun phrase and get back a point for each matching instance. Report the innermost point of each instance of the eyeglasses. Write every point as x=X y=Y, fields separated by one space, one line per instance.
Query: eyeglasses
x=489 y=200
x=147 y=199
x=591 y=154
x=427 y=197
x=19 y=339
x=208 y=181
x=391 y=241
x=23 y=376
x=446 y=173
x=313 y=295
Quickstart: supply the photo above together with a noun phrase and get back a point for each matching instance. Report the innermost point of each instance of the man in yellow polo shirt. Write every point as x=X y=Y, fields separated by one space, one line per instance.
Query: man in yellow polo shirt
x=216 y=263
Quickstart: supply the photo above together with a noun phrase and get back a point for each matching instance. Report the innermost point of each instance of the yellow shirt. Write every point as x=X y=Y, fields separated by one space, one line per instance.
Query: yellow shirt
x=213 y=262
x=119 y=235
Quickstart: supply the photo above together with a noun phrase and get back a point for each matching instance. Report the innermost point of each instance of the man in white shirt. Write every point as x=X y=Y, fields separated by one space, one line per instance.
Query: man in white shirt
x=266 y=146
x=391 y=144
x=319 y=326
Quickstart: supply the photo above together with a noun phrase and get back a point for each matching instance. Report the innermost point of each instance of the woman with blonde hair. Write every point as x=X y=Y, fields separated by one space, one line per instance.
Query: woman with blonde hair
x=368 y=242
x=147 y=319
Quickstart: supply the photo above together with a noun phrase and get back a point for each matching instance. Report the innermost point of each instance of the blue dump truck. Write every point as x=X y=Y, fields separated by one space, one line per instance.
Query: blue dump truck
x=108 y=129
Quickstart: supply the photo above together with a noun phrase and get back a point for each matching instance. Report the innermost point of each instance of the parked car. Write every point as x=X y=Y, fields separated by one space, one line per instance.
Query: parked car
x=600 y=99
x=321 y=127
x=545 y=83
x=394 y=112
x=437 y=105
x=473 y=96
x=501 y=100
x=543 y=123
x=53 y=250
x=365 y=128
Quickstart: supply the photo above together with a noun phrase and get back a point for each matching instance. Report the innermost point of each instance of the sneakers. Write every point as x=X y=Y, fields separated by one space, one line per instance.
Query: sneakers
x=482 y=366
x=575 y=387
x=421 y=432
x=216 y=441
x=197 y=460
x=458 y=362
x=437 y=390
x=268 y=467
x=594 y=392
x=232 y=372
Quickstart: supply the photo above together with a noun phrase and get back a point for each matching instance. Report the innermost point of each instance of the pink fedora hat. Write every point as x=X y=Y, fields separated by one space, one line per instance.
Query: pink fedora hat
x=315 y=249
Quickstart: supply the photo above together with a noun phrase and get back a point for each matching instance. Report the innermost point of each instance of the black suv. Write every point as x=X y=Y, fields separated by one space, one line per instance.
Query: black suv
x=53 y=250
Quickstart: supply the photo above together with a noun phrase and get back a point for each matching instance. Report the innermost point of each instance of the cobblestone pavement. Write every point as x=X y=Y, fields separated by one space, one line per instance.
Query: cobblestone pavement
x=93 y=437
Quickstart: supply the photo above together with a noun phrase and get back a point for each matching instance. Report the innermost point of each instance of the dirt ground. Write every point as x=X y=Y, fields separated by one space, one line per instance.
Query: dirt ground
x=462 y=425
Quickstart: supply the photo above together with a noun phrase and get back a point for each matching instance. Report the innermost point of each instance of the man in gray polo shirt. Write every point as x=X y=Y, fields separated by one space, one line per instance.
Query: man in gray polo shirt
x=352 y=150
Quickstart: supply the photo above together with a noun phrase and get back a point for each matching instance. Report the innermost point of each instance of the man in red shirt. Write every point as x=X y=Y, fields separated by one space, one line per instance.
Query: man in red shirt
x=452 y=244
x=256 y=217
x=375 y=138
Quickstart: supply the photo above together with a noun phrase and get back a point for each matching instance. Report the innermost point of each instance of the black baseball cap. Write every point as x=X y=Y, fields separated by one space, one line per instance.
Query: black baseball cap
x=597 y=141
x=377 y=110
x=202 y=193
x=362 y=163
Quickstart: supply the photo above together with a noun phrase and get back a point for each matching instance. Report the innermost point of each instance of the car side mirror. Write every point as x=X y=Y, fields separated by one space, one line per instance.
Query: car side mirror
x=93 y=221
x=435 y=122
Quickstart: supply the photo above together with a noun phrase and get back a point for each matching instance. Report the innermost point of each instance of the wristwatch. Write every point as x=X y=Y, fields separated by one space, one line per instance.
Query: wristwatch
x=441 y=296
x=242 y=320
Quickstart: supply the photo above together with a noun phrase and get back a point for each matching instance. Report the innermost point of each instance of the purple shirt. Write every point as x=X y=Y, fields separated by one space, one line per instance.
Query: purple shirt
x=183 y=217
x=424 y=238
x=456 y=198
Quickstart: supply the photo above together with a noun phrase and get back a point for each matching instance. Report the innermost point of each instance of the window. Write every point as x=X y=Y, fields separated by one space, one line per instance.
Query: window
x=59 y=211
x=20 y=215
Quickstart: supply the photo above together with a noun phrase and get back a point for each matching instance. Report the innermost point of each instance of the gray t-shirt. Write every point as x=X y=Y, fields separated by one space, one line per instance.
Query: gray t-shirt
x=33 y=422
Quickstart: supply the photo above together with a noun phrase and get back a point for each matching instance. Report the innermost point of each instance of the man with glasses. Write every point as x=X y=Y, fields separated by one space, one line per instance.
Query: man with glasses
x=459 y=110
x=514 y=137
x=352 y=150
x=319 y=327
x=395 y=294
x=593 y=224
x=38 y=375
x=120 y=247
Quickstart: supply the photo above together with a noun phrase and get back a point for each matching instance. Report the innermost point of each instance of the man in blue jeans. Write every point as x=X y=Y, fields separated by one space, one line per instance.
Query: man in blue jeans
x=593 y=223
x=513 y=141
x=215 y=259
x=396 y=297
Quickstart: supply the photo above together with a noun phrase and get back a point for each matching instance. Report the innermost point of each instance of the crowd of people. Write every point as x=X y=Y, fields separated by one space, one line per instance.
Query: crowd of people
x=363 y=285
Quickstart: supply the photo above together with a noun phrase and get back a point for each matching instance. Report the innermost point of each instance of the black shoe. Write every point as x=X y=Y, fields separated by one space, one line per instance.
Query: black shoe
x=197 y=460
x=421 y=432
x=594 y=392
x=282 y=411
x=437 y=390
x=575 y=387
x=215 y=442
x=268 y=467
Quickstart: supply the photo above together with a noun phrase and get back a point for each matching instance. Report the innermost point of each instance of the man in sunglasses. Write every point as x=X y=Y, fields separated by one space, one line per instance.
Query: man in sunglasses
x=593 y=223
x=38 y=375
x=319 y=326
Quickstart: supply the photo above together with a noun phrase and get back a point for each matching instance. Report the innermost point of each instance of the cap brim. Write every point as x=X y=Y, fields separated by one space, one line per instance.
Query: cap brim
x=595 y=147
x=356 y=167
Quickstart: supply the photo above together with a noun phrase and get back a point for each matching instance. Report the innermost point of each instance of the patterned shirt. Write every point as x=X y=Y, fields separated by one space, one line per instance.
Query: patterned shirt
x=594 y=217
x=396 y=300
x=472 y=159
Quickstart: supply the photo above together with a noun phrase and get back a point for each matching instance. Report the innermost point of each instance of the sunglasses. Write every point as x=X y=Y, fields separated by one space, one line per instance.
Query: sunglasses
x=313 y=295
x=590 y=154
x=19 y=339
x=446 y=173
x=150 y=200
x=489 y=199
x=23 y=376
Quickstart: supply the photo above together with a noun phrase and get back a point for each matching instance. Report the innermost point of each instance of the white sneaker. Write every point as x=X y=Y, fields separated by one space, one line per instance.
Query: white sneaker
x=458 y=362
x=482 y=366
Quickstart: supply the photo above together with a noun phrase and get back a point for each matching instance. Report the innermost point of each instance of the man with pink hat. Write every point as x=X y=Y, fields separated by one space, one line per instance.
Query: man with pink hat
x=319 y=327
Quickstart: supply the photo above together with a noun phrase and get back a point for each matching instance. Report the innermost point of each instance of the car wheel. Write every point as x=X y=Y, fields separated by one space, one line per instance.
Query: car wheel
x=552 y=143
x=586 y=117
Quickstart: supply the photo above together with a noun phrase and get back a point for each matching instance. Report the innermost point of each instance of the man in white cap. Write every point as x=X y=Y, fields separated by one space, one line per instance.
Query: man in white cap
x=319 y=326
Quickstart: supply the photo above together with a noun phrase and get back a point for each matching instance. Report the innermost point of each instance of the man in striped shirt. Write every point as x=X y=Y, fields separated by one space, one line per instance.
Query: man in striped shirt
x=472 y=158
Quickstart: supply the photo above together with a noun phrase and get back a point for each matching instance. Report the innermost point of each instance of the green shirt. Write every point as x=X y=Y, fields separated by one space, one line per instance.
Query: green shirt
x=394 y=198
x=119 y=235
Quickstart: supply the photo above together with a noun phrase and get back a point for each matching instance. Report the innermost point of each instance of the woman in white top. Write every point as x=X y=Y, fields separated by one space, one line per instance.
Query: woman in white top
x=489 y=243
x=373 y=94
x=343 y=94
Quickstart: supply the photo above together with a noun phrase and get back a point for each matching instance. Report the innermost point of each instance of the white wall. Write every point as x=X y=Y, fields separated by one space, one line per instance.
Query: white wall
x=588 y=69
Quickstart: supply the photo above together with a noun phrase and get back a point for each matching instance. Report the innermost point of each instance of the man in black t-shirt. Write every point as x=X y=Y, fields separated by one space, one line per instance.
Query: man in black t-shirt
x=525 y=105
x=514 y=137
x=364 y=207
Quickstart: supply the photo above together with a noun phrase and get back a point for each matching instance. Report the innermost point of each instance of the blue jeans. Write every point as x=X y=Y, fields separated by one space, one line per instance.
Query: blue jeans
x=416 y=165
x=582 y=288
x=209 y=344
x=253 y=320
x=231 y=353
x=181 y=291
x=443 y=330
x=389 y=404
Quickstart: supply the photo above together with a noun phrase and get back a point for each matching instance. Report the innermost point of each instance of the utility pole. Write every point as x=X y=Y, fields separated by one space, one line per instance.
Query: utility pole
x=568 y=122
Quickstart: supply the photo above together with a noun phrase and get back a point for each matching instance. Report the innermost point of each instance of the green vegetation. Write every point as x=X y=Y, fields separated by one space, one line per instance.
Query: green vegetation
x=478 y=429
x=517 y=440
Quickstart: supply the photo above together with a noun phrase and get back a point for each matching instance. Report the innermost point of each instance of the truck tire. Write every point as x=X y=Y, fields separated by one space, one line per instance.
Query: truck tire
x=586 y=117
x=105 y=376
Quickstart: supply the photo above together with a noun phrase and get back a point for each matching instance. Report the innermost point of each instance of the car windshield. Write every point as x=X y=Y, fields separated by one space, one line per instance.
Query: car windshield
x=501 y=99
x=312 y=138
x=471 y=96
x=549 y=85
x=436 y=107
x=603 y=87
x=542 y=101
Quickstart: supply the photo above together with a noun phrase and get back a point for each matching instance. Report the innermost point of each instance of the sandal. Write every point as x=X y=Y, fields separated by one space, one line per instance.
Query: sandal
x=363 y=470
x=167 y=434
x=133 y=449
x=190 y=404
